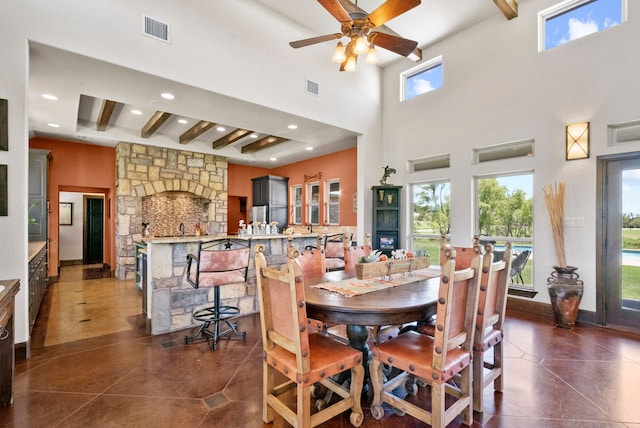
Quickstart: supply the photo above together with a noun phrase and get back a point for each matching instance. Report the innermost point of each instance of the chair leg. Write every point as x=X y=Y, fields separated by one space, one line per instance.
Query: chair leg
x=478 y=382
x=497 y=363
x=437 y=405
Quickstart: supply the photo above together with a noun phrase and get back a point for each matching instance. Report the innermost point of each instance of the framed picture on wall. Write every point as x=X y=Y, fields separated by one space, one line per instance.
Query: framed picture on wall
x=66 y=211
x=4 y=191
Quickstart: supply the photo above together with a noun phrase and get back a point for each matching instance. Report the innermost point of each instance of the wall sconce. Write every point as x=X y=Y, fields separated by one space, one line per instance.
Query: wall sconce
x=577 y=140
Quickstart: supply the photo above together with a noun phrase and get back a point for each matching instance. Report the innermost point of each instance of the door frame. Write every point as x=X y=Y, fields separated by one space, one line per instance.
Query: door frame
x=601 y=272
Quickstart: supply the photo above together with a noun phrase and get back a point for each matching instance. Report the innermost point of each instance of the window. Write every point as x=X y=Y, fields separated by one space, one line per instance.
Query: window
x=431 y=213
x=505 y=213
x=573 y=19
x=430 y=162
x=504 y=151
x=313 y=203
x=422 y=79
x=333 y=201
x=296 y=192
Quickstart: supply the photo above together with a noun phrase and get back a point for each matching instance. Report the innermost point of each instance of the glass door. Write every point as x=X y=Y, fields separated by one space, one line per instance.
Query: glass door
x=621 y=253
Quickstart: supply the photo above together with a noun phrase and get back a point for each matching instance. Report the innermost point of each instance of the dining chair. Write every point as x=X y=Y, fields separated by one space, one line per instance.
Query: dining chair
x=218 y=263
x=464 y=255
x=303 y=358
x=353 y=253
x=335 y=247
x=492 y=303
x=435 y=359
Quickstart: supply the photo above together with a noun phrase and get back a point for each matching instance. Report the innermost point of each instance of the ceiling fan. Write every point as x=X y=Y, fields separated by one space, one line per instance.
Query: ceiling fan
x=357 y=27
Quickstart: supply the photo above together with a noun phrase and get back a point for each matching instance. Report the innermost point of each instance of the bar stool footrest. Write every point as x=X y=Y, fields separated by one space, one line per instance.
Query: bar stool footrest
x=213 y=315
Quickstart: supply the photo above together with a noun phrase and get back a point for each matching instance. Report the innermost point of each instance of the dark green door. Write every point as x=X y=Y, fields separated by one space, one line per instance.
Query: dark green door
x=94 y=220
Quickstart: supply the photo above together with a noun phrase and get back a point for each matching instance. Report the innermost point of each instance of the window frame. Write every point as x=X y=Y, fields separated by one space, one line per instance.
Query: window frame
x=413 y=235
x=296 y=219
x=329 y=204
x=311 y=205
x=561 y=8
x=526 y=290
x=426 y=66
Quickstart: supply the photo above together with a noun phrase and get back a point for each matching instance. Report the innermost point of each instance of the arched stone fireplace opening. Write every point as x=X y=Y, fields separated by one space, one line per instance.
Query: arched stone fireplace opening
x=166 y=187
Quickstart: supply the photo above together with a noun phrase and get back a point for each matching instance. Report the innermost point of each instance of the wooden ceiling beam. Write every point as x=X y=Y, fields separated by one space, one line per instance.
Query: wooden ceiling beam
x=415 y=56
x=154 y=123
x=105 y=114
x=263 y=143
x=195 y=131
x=230 y=138
x=509 y=8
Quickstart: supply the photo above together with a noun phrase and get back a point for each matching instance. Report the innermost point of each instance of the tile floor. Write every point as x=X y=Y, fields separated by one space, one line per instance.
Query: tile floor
x=94 y=365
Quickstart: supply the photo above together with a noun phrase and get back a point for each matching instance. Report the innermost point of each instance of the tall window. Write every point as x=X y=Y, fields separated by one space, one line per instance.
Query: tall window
x=296 y=195
x=333 y=201
x=505 y=213
x=422 y=79
x=573 y=19
x=431 y=213
x=313 y=203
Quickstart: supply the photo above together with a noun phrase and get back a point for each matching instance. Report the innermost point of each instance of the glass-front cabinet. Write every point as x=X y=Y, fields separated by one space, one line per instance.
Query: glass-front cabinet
x=386 y=218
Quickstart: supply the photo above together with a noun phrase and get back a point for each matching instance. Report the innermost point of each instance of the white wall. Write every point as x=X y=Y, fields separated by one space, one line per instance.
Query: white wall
x=226 y=47
x=498 y=89
x=71 y=236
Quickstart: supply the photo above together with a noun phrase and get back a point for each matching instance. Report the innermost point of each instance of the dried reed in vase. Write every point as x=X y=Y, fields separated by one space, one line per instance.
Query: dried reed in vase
x=554 y=199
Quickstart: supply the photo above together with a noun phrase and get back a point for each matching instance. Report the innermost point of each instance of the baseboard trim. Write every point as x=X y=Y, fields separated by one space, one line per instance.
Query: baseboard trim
x=22 y=351
x=545 y=309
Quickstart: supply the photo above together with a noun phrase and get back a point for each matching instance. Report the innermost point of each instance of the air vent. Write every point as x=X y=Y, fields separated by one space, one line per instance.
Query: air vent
x=156 y=29
x=313 y=88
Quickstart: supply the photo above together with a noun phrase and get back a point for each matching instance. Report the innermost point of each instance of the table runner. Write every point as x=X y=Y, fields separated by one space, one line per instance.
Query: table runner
x=355 y=287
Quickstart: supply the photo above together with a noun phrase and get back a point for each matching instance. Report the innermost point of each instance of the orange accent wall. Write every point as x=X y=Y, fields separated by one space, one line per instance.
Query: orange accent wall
x=341 y=165
x=78 y=167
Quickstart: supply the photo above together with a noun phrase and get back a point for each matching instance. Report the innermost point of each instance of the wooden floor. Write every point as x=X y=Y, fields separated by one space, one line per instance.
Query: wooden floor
x=94 y=364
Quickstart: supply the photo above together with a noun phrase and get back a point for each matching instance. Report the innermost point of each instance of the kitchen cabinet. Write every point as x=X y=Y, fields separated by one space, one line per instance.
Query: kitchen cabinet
x=8 y=290
x=273 y=192
x=38 y=280
x=386 y=218
x=38 y=194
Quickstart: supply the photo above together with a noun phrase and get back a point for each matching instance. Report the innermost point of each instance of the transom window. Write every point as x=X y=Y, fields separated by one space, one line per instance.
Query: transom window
x=422 y=79
x=573 y=19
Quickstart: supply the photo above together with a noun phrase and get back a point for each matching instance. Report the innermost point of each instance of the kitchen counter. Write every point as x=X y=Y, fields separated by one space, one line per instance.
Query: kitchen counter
x=206 y=238
x=35 y=247
x=8 y=290
x=171 y=301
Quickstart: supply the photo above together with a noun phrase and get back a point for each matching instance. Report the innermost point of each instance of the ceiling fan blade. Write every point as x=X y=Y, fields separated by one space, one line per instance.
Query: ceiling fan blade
x=336 y=10
x=314 y=40
x=389 y=10
x=393 y=43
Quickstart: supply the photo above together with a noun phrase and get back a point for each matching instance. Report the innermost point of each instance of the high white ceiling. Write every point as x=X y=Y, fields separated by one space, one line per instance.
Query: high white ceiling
x=86 y=82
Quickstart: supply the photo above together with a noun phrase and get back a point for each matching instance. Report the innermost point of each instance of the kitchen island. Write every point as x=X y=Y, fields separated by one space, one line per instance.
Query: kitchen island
x=171 y=301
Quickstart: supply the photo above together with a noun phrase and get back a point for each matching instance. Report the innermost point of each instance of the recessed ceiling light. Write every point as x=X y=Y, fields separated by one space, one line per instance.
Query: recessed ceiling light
x=292 y=126
x=54 y=125
x=309 y=148
x=182 y=121
x=253 y=135
x=167 y=96
x=136 y=112
x=221 y=128
x=50 y=97
x=273 y=159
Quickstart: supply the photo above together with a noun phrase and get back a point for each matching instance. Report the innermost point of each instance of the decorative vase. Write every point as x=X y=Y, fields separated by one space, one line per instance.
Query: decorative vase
x=565 y=291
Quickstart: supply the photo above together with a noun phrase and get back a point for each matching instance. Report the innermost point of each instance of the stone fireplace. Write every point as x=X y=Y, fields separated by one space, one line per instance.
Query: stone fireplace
x=166 y=188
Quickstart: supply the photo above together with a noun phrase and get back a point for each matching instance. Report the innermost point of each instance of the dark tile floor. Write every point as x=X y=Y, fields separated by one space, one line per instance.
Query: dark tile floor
x=585 y=377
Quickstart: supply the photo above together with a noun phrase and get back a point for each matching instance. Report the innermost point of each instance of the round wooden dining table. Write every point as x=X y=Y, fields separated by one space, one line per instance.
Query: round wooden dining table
x=391 y=306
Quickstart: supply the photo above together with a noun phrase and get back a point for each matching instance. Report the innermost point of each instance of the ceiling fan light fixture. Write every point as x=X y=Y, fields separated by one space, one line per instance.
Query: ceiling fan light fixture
x=361 y=46
x=351 y=64
x=372 y=57
x=338 y=54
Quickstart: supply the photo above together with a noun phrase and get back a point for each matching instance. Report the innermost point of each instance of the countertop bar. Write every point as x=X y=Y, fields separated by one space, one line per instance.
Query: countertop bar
x=206 y=238
x=35 y=247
